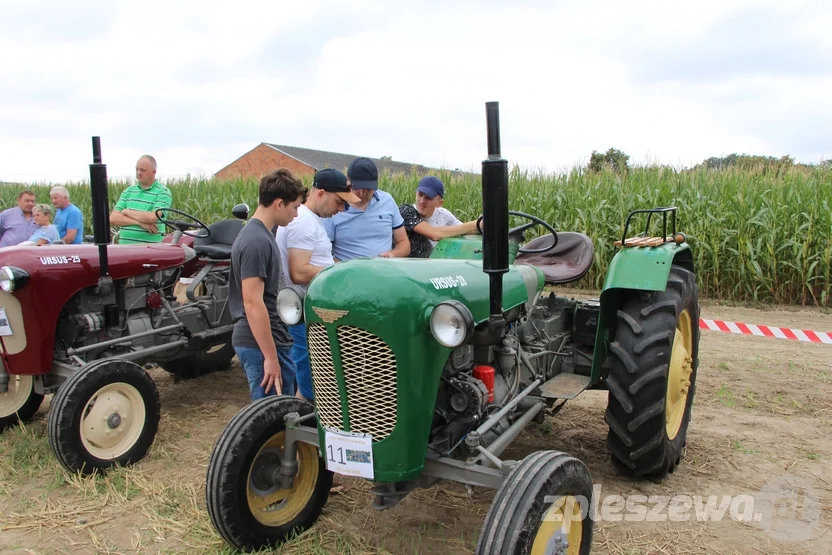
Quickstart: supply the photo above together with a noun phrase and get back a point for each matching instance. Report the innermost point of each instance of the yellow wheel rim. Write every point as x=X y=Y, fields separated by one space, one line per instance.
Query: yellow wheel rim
x=678 y=375
x=275 y=506
x=563 y=516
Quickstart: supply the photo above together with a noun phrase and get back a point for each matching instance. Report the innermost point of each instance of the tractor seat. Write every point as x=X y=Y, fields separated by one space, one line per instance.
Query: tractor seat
x=218 y=244
x=569 y=261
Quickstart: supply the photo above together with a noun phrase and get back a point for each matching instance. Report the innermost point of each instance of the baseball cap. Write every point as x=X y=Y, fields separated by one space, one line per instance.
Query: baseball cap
x=431 y=186
x=335 y=182
x=363 y=174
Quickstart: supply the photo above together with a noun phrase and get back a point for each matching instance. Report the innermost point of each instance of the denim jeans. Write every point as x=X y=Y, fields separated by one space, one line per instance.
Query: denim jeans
x=252 y=359
x=300 y=356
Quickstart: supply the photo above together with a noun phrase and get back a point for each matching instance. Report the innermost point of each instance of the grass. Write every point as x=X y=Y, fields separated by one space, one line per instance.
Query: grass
x=158 y=505
x=725 y=395
x=757 y=236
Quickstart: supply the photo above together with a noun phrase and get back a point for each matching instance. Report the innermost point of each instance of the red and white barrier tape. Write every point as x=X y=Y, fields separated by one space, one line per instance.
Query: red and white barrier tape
x=767 y=331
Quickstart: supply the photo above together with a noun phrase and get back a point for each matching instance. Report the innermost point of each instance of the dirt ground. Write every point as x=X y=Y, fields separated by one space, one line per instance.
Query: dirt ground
x=762 y=414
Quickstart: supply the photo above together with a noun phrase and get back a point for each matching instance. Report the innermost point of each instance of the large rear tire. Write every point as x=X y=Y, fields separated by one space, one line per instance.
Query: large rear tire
x=214 y=359
x=20 y=402
x=246 y=508
x=652 y=367
x=542 y=507
x=105 y=414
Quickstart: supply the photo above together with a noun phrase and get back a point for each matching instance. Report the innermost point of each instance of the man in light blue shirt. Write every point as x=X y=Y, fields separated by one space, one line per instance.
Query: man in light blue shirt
x=372 y=227
x=68 y=219
x=17 y=223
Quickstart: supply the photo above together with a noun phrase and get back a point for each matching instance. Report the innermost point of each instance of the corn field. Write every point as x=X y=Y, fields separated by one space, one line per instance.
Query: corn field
x=757 y=235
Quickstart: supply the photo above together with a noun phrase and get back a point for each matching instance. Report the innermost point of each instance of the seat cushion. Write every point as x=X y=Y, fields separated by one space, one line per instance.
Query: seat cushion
x=568 y=261
x=217 y=251
x=218 y=244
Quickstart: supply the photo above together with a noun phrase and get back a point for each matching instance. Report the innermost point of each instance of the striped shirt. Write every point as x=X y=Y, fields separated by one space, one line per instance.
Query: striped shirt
x=135 y=197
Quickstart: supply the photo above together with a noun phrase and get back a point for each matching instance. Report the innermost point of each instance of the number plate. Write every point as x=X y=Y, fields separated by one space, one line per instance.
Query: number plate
x=5 y=328
x=349 y=454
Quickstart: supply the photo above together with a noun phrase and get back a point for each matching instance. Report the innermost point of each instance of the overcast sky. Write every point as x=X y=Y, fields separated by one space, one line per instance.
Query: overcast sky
x=199 y=83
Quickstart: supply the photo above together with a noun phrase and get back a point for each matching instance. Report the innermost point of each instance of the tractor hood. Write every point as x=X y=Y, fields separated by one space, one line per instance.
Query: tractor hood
x=49 y=276
x=378 y=293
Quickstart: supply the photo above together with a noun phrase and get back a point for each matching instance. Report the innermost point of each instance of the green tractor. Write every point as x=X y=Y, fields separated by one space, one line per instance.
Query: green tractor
x=427 y=369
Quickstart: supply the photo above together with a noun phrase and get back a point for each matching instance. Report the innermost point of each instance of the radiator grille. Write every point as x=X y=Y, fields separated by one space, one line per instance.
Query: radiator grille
x=370 y=378
x=327 y=397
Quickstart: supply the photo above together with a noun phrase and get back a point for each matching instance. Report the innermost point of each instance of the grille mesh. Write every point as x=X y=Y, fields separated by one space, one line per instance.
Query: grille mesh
x=370 y=377
x=327 y=397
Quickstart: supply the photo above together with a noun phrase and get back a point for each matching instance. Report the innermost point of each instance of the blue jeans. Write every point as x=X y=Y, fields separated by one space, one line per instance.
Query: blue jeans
x=252 y=359
x=300 y=356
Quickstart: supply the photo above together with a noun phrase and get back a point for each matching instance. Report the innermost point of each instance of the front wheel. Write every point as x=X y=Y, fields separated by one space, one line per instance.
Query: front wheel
x=543 y=507
x=246 y=505
x=105 y=414
x=652 y=377
x=20 y=402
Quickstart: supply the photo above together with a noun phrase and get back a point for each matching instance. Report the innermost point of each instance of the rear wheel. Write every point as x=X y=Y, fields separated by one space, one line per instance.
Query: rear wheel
x=105 y=414
x=20 y=402
x=213 y=359
x=543 y=507
x=652 y=368
x=247 y=506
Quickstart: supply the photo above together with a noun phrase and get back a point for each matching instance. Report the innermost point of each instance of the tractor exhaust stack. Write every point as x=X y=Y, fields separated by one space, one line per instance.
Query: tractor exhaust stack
x=494 y=214
x=100 y=214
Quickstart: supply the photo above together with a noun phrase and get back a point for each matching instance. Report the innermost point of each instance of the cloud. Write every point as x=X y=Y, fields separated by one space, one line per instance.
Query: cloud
x=199 y=83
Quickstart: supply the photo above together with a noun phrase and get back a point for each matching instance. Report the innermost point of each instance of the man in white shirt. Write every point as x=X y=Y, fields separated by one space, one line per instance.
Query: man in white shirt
x=305 y=250
x=426 y=221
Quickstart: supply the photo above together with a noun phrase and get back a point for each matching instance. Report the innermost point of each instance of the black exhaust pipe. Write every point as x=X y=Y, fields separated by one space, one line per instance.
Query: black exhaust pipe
x=494 y=214
x=100 y=214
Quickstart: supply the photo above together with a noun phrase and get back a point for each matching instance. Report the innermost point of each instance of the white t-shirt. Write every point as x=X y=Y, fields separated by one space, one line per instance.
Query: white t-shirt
x=441 y=218
x=304 y=232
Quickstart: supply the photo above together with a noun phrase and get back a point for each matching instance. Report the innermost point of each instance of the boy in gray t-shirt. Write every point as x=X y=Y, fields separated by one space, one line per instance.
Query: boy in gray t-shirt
x=260 y=338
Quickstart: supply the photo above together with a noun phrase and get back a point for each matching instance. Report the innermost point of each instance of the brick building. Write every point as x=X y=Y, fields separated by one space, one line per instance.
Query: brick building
x=303 y=161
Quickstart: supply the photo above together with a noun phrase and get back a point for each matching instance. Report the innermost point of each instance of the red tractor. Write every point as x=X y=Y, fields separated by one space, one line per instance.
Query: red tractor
x=83 y=321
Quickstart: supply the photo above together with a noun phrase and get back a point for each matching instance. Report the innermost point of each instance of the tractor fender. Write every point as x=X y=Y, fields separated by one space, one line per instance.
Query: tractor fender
x=646 y=268
x=633 y=269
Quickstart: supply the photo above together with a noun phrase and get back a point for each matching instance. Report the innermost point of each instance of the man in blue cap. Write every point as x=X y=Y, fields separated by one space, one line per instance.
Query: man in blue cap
x=426 y=221
x=371 y=227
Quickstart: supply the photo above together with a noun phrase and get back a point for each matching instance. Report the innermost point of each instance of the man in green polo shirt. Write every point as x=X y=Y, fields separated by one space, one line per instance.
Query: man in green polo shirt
x=136 y=208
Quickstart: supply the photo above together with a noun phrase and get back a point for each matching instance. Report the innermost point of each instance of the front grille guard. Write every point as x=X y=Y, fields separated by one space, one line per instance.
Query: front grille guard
x=370 y=380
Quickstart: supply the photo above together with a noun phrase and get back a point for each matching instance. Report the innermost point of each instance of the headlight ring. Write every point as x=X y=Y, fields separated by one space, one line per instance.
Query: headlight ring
x=290 y=304
x=451 y=323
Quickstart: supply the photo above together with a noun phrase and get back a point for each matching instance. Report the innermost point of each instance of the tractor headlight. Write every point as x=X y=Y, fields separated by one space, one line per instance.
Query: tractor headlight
x=451 y=323
x=290 y=305
x=12 y=278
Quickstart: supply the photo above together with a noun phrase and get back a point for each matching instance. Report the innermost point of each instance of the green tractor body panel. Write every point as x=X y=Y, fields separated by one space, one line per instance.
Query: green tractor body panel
x=633 y=268
x=467 y=247
x=375 y=363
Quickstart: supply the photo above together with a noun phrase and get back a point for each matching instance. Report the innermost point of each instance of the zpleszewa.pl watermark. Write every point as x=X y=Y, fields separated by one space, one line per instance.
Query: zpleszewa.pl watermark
x=787 y=508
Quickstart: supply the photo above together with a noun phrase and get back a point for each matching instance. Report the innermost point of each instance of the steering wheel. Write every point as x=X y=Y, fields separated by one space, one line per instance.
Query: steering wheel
x=183 y=226
x=521 y=228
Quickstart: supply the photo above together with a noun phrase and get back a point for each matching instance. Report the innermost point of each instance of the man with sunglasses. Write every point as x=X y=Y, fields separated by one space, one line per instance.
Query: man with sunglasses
x=371 y=227
x=305 y=250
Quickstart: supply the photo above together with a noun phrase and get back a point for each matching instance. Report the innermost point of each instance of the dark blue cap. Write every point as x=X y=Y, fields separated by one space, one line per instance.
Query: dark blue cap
x=363 y=174
x=431 y=186
x=335 y=182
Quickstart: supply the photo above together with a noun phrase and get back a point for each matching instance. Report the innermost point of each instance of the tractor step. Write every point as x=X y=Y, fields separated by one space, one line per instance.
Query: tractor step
x=565 y=386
